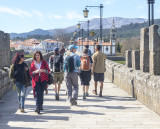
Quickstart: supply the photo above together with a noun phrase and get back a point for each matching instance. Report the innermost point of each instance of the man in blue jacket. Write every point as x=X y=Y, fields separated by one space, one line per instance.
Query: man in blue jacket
x=71 y=66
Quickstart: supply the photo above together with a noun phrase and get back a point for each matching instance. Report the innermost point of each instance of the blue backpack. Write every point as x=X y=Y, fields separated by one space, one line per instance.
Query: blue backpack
x=69 y=64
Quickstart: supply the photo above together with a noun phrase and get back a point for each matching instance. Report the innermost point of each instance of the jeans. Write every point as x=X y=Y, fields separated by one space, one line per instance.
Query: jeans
x=39 y=90
x=72 y=81
x=21 y=90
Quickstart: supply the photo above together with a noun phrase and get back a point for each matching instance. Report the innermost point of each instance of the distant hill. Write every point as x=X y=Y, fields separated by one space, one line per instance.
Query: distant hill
x=34 y=32
x=94 y=24
x=107 y=23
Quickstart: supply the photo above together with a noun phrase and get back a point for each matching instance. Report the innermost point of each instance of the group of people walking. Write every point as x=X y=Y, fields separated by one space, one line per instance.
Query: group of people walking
x=62 y=65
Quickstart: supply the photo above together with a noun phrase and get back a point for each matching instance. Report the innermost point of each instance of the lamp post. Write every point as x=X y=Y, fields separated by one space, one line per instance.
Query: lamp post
x=78 y=26
x=86 y=16
x=87 y=30
x=151 y=11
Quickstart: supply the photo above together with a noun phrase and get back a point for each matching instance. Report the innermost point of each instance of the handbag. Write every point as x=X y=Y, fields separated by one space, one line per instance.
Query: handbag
x=50 y=77
x=27 y=78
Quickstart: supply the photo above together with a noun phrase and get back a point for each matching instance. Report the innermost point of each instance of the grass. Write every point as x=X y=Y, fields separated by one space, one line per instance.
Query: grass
x=28 y=56
x=121 y=62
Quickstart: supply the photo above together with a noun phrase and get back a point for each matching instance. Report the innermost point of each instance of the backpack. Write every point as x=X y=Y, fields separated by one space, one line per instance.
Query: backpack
x=69 y=63
x=56 y=61
x=85 y=63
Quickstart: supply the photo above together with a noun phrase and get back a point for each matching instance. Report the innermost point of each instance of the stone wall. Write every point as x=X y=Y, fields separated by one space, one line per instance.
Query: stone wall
x=139 y=77
x=116 y=58
x=4 y=49
x=5 y=82
x=142 y=86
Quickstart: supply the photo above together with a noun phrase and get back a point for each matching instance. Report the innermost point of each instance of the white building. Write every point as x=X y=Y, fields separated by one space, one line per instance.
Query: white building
x=45 y=46
x=108 y=48
x=49 y=45
x=27 y=47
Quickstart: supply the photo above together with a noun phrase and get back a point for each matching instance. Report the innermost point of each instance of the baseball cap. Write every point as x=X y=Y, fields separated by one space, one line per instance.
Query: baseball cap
x=85 y=50
x=72 y=47
x=56 y=49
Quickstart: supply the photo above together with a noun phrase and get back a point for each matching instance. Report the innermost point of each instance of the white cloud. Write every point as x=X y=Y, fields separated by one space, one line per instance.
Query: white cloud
x=157 y=10
x=108 y=2
x=140 y=7
x=95 y=16
x=57 y=16
x=143 y=16
x=54 y=16
x=17 y=12
x=38 y=13
x=73 y=15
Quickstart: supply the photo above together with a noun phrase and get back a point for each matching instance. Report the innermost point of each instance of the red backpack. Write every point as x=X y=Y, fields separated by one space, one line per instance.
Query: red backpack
x=85 y=63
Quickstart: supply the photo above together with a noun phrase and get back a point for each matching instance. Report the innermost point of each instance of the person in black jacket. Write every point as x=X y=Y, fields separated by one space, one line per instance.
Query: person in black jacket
x=19 y=73
x=56 y=67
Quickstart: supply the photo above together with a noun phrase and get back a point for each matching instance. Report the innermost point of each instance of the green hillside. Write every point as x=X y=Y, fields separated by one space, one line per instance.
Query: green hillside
x=128 y=31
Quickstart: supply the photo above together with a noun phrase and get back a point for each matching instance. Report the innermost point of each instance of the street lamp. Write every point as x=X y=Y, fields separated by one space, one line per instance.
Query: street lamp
x=88 y=30
x=86 y=16
x=151 y=11
x=79 y=26
x=85 y=13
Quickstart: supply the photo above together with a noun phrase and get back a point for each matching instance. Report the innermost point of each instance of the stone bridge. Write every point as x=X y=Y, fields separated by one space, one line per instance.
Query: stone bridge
x=131 y=97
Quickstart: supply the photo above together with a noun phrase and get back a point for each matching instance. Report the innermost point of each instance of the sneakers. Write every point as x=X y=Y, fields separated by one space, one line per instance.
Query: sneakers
x=57 y=96
x=94 y=92
x=22 y=110
x=37 y=111
x=100 y=94
x=41 y=108
x=87 y=94
x=84 y=96
x=73 y=101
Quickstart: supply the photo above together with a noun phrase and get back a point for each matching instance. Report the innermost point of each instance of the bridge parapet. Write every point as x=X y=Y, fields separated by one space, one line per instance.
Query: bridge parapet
x=139 y=76
x=142 y=86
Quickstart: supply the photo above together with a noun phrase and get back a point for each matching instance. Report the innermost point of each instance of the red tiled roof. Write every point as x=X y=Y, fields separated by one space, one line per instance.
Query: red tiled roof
x=13 y=45
x=92 y=43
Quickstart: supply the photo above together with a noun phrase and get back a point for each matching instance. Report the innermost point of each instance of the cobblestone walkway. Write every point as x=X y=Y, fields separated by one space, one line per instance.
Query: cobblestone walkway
x=115 y=110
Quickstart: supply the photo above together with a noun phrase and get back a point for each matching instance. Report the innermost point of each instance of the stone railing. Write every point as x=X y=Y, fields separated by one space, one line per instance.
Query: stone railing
x=142 y=86
x=4 y=49
x=5 y=82
x=140 y=77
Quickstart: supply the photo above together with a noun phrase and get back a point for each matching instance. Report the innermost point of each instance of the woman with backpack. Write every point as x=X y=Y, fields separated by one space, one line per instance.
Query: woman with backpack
x=85 y=72
x=19 y=73
x=39 y=70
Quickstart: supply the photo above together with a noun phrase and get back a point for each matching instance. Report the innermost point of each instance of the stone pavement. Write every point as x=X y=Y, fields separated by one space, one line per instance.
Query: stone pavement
x=115 y=110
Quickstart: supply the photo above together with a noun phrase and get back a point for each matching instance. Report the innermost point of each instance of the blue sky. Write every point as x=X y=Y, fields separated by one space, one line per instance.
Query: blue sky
x=26 y=15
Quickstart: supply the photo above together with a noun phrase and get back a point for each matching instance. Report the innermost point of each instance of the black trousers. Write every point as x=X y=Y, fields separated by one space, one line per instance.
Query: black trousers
x=39 y=91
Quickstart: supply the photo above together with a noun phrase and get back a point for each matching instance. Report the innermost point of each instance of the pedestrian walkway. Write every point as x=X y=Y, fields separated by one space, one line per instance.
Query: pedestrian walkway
x=115 y=110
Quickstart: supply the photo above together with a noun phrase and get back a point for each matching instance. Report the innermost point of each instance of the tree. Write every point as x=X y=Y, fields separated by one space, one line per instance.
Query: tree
x=118 y=48
x=106 y=39
x=92 y=33
x=61 y=35
x=130 y=44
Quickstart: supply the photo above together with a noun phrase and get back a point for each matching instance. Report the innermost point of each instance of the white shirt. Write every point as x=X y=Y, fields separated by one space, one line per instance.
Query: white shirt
x=38 y=66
